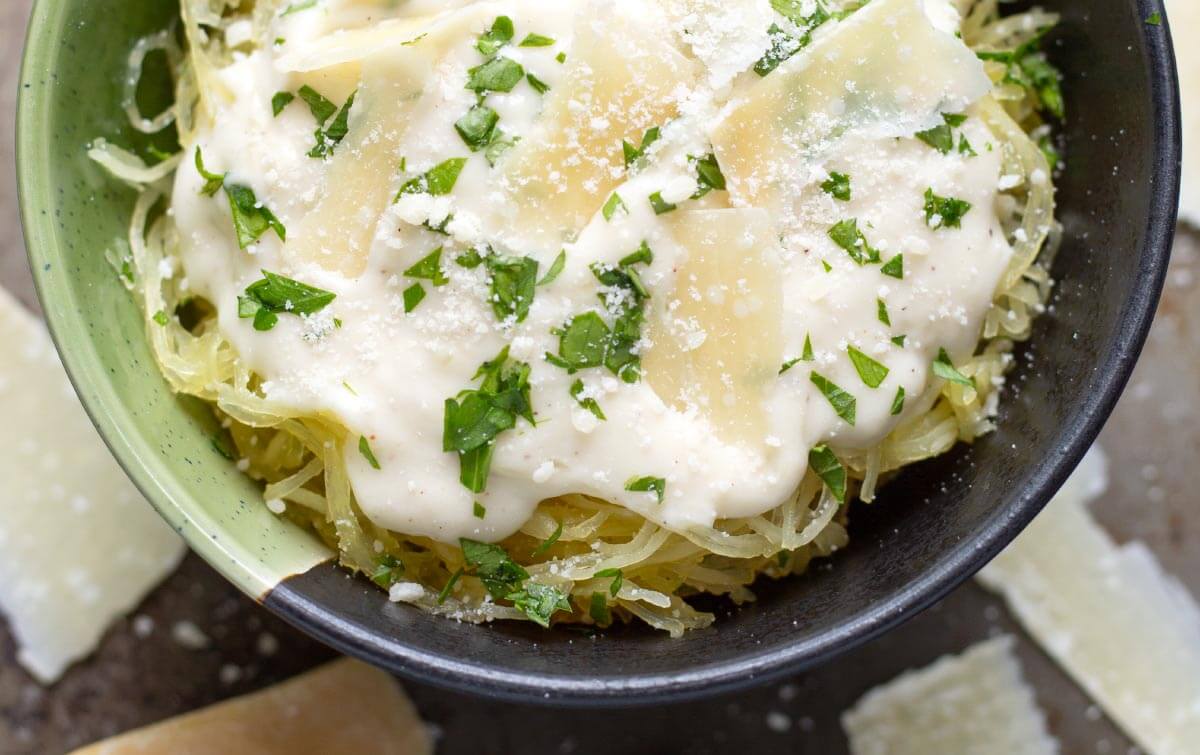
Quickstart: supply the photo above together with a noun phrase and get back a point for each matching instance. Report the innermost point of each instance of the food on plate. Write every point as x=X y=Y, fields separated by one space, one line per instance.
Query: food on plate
x=569 y=312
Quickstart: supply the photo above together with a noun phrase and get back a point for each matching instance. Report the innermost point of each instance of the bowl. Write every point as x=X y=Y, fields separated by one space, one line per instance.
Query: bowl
x=934 y=525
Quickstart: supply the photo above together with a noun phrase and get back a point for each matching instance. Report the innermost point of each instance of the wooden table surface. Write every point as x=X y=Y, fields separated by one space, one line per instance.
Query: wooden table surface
x=143 y=675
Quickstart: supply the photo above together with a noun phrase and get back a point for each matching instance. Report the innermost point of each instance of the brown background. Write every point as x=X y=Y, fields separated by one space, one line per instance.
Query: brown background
x=1153 y=441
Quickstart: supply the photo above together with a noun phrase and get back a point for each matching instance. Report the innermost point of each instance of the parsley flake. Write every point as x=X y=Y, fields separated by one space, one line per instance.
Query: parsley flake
x=632 y=154
x=944 y=212
x=613 y=204
x=478 y=510
x=501 y=33
x=945 y=369
x=829 y=468
x=844 y=404
x=413 y=295
x=898 y=401
x=475 y=418
x=540 y=602
x=881 y=312
x=588 y=402
x=364 y=448
x=548 y=542
x=512 y=285
x=845 y=234
x=212 y=181
x=478 y=127
x=618 y=578
x=556 y=268
x=496 y=75
x=437 y=181
x=872 y=373
x=538 y=85
x=660 y=205
x=655 y=485
x=264 y=300
x=388 y=571
x=894 y=267
x=429 y=268
x=598 y=610
x=280 y=101
x=536 y=40
x=837 y=186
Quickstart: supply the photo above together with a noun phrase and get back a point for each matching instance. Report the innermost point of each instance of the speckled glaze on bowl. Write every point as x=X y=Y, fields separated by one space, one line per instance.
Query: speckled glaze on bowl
x=933 y=527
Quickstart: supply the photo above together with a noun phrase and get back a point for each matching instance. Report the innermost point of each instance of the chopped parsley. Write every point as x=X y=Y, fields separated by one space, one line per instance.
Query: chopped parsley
x=429 y=268
x=561 y=57
x=538 y=85
x=708 y=174
x=588 y=402
x=218 y=444
x=945 y=369
x=655 y=485
x=837 y=186
x=329 y=137
x=881 y=312
x=445 y=593
x=536 y=40
x=492 y=565
x=660 y=205
x=251 y=219
x=264 y=300
x=618 y=579
x=613 y=204
x=894 y=267
x=826 y=465
x=478 y=127
x=470 y=259
x=845 y=234
x=899 y=340
x=161 y=318
x=496 y=75
x=512 y=285
x=478 y=510
x=505 y=579
x=844 y=404
x=898 y=401
x=941 y=137
x=632 y=154
x=555 y=270
x=280 y=101
x=588 y=341
x=539 y=602
x=1154 y=19
x=413 y=295
x=805 y=356
x=944 y=212
x=1027 y=67
x=500 y=144
x=598 y=609
x=783 y=46
x=476 y=417
x=388 y=571
x=364 y=448
x=501 y=33
x=872 y=373
x=212 y=181
x=438 y=180
x=545 y=544
x=783 y=43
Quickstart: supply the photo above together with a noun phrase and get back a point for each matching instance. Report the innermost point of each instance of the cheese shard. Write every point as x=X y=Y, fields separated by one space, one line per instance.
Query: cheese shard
x=976 y=703
x=343 y=707
x=79 y=546
x=884 y=71
x=624 y=79
x=716 y=340
x=1185 y=14
x=361 y=177
x=1128 y=633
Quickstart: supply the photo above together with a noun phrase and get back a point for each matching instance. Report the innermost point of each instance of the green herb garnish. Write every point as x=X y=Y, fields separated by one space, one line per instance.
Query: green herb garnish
x=539 y=602
x=536 y=40
x=845 y=234
x=881 y=312
x=618 y=578
x=829 y=468
x=944 y=212
x=556 y=268
x=413 y=295
x=475 y=418
x=613 y=204
x=437 y=181
x=429 y=268
x=478 y=127
x=945 y=369
x=496 y=75
x=588 y=403
x=872 y=373
x=632 y=154
x=264 y=300
x=844 y=404
x=478 y=510
x=837 y=186
x=708 y=174
x=280 y=101
x=898 y=401
x=513 y=280
x=496 y=37
x=548 y=542
x=212 y=181
x=1027 y=66
x=388 y=570
x=364 y=448
x=660 y=205
x=655 y=485
x=538 y=85
x=894 y=267
x=598 y=609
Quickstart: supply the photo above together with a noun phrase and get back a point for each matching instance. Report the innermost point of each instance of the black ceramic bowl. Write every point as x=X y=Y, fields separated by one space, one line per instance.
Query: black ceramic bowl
x=934 y=525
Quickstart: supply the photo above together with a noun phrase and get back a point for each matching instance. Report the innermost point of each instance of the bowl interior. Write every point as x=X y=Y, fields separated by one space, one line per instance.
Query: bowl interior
x=932 y=527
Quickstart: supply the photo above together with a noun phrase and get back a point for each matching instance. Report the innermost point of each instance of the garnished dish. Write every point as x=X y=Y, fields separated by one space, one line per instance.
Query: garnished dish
x=573 y=311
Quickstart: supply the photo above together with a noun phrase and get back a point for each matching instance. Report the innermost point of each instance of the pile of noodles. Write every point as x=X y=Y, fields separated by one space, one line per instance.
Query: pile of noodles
x=299 y=458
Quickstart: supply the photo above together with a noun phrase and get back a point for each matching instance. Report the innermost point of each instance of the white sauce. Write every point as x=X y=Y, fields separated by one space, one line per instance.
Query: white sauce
x=385 y=374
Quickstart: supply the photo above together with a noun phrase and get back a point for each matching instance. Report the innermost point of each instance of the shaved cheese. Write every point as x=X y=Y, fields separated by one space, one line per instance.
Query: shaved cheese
x=1185 y=14
x=1128 y=633
x=79 y=546
x=345 y=706
x=352 y=46
x=624 y=79
x=885 y=71
x=717 y=341
x=976 y=703
x=337 y=235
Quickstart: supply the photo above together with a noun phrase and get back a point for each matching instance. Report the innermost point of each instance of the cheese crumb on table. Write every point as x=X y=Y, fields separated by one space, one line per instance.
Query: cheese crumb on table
x=343 y=707
x=976 y=703
x=79 y=546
